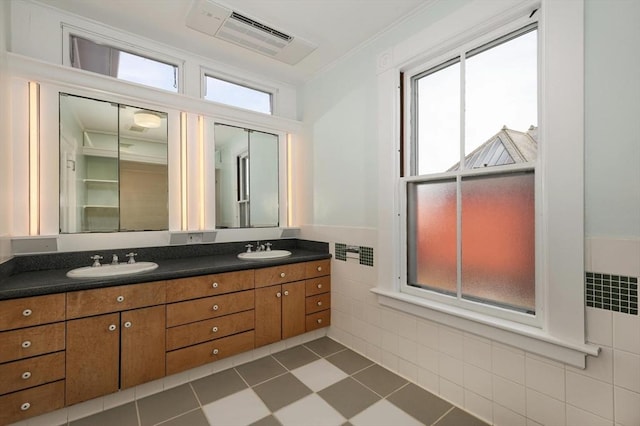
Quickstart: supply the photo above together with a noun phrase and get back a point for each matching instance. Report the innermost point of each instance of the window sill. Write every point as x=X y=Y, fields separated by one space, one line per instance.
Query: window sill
x=521 y=336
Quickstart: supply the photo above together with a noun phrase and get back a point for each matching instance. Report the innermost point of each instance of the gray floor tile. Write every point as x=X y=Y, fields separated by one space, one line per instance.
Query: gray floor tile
x=281 y=391
x=380 y=380
x=219 y=385
x=166 y=405
x=262 y=369
x=348 y=397
x=423 y=405
x=349 y=361
x=124 y=415
x=295 y=357
x=192 y=418
x=458 y=417
x=324 y=346
x=267 y=421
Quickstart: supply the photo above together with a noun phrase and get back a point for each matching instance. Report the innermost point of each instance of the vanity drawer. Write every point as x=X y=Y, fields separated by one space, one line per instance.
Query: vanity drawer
x=202 y=331
x=31 y=402
x=279 y=274
x=29 y=311
x=208 y=285
x=193 y=356
x=317 y=268
x=31 y=372
x=209 y=307
x=85 y=303
x=318 y=303
x=318 y=320
x=28 y=342
x=318 y=285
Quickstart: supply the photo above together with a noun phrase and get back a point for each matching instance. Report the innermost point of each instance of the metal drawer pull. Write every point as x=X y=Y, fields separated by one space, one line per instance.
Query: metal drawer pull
x=216 y=307
x=278 y=294
x=127 y=324
x=120 y=298
x=26 y=375
x=25 y=406
x=319 y=268
x=286 y=292
x=27 y=312
x=214 y=329
x=215 y=352
x=112 y=327
x=319 y=285
x=282 y=275
x=26 y=344
x=319 y=320
x=214 y=285
x=319 y=303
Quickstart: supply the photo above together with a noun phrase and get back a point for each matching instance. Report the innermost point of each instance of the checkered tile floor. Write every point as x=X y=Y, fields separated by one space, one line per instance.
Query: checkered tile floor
x=319 y=383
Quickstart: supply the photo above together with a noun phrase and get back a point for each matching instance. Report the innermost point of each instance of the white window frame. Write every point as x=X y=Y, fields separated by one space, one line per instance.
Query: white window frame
x=559 y=331
x=208 y=72
x=69 y=30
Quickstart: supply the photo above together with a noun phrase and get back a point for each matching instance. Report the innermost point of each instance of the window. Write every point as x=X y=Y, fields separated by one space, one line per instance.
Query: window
x=114 y=62
x=228 y=93
x=471 y=197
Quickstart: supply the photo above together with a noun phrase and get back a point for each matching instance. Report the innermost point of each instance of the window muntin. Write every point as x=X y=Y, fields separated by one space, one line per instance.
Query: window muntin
x=114 y=62
x=476 y=244
x=237 y=95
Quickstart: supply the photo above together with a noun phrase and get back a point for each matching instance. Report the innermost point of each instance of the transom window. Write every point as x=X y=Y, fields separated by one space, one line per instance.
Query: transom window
x=471 y=193
x=237 y=95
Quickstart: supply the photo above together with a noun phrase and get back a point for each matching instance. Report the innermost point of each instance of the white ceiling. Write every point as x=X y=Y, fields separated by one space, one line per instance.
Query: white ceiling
x=335 y=26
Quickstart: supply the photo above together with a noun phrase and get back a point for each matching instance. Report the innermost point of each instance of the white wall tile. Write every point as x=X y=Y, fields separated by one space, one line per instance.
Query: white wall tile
x=85 y=409
x=390 y=360
x=429 y=380
x=428 y=358
x=451 y=392
x=374 y=353
x=478 y=380
x=578 y=417
x=615 y=256
x=451 y=342
x=408 y=349
x=600 y=367
x=627 y=410
x=590 y=394
x=477 y=351
x=479 y=406
x=451 y=369
x=504 y=417
x=626 y=368
x=545 y=378
x=408 y=327
x=510 y=395
x=408 y=370
x=545 y=410
x=428 y=334
x=507 y=363
x=390 y=341
x=599 y=326
x=626 y=332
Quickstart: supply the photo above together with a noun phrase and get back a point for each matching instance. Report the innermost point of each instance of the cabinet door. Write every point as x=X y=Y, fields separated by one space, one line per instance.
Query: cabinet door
x=93 y=349
x=268 y=315
x=293 y=309
x=142 y=346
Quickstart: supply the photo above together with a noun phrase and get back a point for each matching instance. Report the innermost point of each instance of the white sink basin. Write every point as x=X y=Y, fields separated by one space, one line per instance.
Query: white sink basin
x=264 y=255
x=112 y=270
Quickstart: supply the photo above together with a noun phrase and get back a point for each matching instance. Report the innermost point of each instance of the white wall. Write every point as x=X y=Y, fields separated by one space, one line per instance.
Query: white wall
x=5 y=140
x=501 y=384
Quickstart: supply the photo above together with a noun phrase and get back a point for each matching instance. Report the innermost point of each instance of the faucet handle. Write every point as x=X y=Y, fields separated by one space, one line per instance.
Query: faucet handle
x=268 y=246
x=248 y=246
x=96 y=259
x=131 y=257
x=114 y=259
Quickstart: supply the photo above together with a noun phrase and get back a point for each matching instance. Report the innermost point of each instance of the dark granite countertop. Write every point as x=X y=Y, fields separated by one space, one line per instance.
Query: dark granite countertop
x=46 y=274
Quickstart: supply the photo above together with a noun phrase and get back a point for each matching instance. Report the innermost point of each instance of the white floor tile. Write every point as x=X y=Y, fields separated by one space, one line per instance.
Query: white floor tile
x=319 y=374
x=240 y=409
x=383 y=413
x=310 y=410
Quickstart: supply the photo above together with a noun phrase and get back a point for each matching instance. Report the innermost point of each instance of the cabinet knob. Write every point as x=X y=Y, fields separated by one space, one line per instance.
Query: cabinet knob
x=319 y=268
x=319 y=285
x=216 y=307
x=215 y=352
x=112 y=327
x=27 y=312
x=214 y=329
x=26 y=375
x=214 y=285
x=282 y=275
x=120 y=299
x=25 y=406
x=278 y=294
x=286 y=292
x=26 y=344
x=127 y=324
x=319 y=320
x=319 y=303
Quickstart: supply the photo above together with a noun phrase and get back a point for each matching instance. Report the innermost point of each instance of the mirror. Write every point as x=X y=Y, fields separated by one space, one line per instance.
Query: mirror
x=246 y=164
x=113 y=167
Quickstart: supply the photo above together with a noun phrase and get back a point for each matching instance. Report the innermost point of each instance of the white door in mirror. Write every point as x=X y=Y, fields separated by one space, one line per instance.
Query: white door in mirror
x=112 y=270
x=264 y=255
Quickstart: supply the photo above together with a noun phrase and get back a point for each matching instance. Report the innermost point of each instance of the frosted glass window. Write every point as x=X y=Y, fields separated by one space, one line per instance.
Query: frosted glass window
x=432 y=242
x=236 y=95
x=498 y=240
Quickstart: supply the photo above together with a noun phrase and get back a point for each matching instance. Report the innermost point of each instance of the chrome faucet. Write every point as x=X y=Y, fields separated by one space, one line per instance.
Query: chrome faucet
x=96 y=260
x=114 y=259
x=132 y=257
x=260 y=247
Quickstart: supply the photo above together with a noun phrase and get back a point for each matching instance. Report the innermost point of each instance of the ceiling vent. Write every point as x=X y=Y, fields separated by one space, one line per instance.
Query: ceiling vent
x=225 y=24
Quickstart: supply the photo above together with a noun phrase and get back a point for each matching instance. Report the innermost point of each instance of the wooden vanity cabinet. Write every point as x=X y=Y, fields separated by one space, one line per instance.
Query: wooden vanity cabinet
x=318 y=294
x=116 y=350
x=279 y=312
